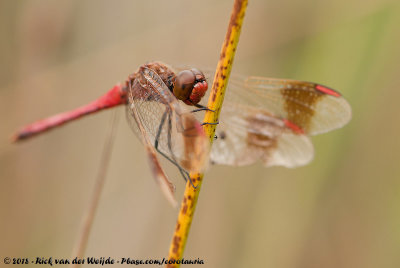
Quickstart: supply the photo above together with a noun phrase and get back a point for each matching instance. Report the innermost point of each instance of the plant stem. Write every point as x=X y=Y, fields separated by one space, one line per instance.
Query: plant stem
x=223 y=71
x=88 y=217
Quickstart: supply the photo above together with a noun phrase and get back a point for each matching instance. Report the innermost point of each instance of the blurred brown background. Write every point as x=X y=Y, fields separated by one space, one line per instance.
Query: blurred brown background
x=342 y=210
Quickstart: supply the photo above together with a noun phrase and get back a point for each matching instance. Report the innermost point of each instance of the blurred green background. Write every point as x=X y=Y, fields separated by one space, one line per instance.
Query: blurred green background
x=342 y=210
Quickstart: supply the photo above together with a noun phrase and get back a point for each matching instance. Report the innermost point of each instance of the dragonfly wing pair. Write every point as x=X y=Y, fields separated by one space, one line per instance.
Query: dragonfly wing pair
x=271 y=120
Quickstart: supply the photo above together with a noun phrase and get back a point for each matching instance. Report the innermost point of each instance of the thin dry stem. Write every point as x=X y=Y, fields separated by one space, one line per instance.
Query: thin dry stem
x=87 y=220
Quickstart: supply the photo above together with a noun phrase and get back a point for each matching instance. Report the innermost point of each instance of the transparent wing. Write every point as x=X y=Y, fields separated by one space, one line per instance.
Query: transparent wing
x=269 y=119
x=247 y=136
x=312 y=107
x=170 y=128
x=165 y=184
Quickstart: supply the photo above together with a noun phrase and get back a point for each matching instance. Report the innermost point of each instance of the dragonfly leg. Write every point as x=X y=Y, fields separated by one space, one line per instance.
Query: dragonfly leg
x=201 y=108
x=206 y=123
x=183 y=172
x=170 y=149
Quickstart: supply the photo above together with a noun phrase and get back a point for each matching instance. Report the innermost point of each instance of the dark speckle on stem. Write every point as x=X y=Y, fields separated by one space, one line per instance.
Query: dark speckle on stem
x=184 y=209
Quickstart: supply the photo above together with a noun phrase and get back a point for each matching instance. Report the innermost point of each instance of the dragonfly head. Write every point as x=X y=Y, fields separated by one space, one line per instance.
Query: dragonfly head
x=190 y=86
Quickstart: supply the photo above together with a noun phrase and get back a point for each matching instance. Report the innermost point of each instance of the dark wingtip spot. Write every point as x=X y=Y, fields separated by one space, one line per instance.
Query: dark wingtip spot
x=327 y=90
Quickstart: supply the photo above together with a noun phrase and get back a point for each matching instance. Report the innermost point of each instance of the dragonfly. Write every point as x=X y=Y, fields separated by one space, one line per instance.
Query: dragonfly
x=262 y=119
x=151 y=96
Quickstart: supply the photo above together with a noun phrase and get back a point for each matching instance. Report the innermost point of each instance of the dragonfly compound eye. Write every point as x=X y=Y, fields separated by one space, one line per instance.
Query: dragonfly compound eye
x=200 y=87
x=198 y=74
x=184 y=83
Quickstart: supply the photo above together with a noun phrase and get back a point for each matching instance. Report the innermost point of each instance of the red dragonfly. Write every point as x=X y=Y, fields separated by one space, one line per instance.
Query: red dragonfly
x=151 y=97
x=262 y=119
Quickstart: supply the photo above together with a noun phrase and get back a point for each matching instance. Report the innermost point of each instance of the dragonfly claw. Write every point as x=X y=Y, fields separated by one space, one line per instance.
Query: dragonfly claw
x=190 y=180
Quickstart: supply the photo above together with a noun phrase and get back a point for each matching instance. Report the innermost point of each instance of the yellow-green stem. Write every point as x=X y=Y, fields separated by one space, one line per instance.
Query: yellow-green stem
x=223 y=71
